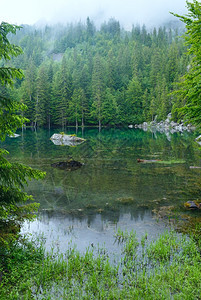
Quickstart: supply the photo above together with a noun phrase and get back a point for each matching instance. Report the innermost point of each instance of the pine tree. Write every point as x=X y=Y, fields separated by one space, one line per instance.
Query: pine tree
x=13 y=207
x=172 y=64
x=134 y=114
x=75 y=106
x=190 y=86
x=109 y=108
x=98 y=87
x=50 y=104
x=42 y=109
x=29 y=91
x=62 y=93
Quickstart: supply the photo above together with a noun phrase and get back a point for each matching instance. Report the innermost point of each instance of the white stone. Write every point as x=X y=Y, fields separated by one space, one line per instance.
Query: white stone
x=67 y=140
x=14 y=135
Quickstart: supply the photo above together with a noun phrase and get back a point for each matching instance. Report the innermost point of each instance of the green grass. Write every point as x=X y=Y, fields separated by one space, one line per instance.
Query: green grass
x=167 y=268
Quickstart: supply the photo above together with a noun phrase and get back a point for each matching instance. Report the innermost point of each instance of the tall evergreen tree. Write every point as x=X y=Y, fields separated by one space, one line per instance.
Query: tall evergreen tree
x=13 y=206
x=50 y=104
x=189 y=91
x=98 y=87
x=172 y=64
x=109 y=108
x=75 y=107
x=42 y=103
x=62 y=94
x=134 y=101
x=29 y=91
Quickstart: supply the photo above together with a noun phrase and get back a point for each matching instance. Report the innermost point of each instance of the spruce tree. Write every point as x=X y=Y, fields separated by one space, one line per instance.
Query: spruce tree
x=29 y=91
x=98 y=87
x=42 y=109
x=189 y=89
x=13 y=207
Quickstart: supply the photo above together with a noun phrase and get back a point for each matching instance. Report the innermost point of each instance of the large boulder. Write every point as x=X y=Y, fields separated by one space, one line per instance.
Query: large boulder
x=65 y=139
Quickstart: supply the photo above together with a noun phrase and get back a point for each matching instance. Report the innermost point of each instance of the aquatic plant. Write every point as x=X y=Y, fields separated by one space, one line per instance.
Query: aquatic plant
x=167 y=268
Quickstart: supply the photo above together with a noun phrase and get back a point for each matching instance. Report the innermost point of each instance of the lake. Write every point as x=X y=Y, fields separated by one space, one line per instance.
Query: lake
x=112 y=189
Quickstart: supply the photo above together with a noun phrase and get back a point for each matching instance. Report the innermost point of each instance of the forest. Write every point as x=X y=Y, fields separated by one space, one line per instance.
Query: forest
x=80 y=75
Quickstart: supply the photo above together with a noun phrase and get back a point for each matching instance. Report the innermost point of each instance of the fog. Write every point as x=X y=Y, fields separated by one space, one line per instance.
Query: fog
x=128 y=12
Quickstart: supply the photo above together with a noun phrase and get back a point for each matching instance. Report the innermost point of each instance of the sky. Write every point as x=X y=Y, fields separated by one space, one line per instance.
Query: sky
x=128 y=12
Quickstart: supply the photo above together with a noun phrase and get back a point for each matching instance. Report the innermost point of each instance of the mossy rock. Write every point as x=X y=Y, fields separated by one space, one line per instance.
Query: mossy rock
x=193 y=205
x=164 y=211
x=126 y=200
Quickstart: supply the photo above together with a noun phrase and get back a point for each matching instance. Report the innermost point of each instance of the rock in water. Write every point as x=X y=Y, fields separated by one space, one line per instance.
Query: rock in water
x=67 y=165
x=14 y=135
x=67 y=140
x=192 y=205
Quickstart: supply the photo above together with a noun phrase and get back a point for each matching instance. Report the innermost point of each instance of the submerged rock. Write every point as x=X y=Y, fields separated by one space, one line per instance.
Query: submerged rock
x=67 y=165
x=125 y=200
x=66 y=140
x=159 y=161
x=192 y=205
x=164 y=211
x=147 y=160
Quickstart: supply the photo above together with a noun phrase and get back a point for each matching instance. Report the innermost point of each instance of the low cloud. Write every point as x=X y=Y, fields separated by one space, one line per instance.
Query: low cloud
x=128 y=12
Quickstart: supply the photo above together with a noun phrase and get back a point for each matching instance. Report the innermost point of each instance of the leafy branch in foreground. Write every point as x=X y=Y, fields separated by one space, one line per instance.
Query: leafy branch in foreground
x=13 y=207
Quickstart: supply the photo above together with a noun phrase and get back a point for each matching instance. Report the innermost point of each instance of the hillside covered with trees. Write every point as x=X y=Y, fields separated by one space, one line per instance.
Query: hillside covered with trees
x=80 y=75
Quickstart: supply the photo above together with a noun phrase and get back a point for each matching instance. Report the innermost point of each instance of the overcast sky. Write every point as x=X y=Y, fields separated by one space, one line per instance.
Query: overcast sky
x=128 y=12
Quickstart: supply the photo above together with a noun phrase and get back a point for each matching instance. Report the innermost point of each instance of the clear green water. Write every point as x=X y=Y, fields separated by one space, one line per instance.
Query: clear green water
x=111 y=189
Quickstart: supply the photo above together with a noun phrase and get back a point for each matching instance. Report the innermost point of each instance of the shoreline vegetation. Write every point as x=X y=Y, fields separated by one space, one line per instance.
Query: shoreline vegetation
x=167 y=268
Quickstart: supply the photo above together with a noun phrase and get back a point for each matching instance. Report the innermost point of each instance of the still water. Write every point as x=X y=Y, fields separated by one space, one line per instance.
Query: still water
x=112 y=189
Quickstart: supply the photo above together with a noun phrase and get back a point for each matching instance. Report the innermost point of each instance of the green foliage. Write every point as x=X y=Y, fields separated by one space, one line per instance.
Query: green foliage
x=108 y=76
x=75 y=106
x=13 y=207
x=28 y=91
x=167 y=268
x=134 y=101
x=188 y=91
x=61 y=94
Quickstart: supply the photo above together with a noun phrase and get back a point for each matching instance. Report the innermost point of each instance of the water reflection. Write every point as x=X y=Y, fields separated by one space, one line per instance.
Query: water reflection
x=111 y=189
x=61 y=231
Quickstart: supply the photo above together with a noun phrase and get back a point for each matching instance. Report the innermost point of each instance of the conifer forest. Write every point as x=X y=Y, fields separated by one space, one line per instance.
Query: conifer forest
x=80 y=75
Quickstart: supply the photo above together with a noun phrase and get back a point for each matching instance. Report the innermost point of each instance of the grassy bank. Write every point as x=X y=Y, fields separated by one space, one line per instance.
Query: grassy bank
x=168 y=268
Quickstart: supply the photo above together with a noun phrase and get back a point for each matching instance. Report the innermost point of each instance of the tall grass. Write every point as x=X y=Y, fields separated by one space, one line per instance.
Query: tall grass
x=167 y=268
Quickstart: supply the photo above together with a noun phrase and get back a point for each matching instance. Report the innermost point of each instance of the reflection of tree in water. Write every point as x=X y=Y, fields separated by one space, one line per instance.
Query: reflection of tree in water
x=110 y=169
x=56 y=192
x=108 y=216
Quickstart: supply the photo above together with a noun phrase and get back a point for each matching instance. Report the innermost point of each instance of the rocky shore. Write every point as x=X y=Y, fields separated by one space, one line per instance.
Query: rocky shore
x=164 y=126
